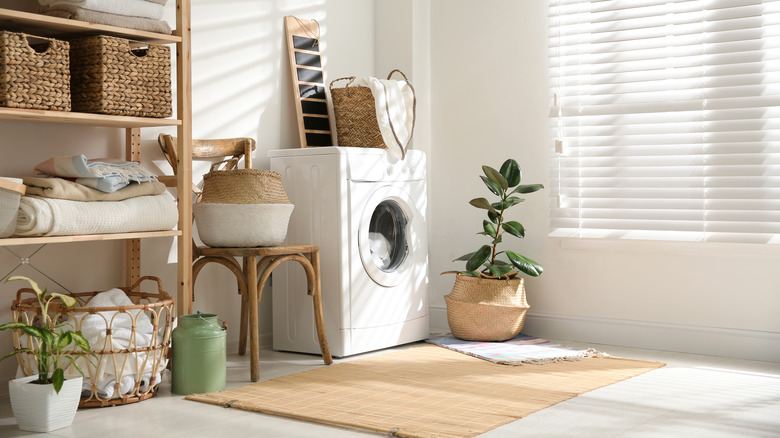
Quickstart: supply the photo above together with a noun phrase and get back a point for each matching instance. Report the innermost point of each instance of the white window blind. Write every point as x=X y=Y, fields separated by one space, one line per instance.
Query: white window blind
x=666 y=119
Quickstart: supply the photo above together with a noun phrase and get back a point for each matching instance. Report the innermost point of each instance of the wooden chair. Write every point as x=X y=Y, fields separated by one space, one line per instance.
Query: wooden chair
x=258 y=262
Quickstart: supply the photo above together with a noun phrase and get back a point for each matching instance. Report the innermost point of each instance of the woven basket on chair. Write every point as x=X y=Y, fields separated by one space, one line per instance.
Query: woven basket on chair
x=117 y=76
x=243 y=186
x=35 y=76
x=242 y=208
x=484 y=310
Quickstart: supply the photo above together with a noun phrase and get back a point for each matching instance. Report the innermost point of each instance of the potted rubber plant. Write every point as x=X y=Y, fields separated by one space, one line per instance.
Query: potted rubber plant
x=48 y=400
x=487 y=301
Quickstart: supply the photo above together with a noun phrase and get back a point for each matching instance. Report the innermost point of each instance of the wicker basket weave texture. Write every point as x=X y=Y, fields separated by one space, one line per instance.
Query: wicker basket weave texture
x=486 y=310
x=355 y=113
x=137 y=359
x=32 y=79
x=110 y=77
x=243 y=186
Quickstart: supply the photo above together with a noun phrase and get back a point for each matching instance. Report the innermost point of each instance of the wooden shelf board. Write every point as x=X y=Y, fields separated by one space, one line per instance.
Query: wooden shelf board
x=12 y=241
x=85 y=119
x=44 y=25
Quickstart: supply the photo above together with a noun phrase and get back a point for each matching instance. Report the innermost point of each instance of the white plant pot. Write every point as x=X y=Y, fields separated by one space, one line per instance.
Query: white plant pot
x=38 y=408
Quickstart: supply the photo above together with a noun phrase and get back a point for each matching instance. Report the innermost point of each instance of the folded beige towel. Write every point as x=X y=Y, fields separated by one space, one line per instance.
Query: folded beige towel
x=76 y=13
x=58 y=188
x=130 y=8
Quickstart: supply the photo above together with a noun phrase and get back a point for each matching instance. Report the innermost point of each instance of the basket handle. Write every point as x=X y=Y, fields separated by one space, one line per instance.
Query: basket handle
x=399 y=71
x=148 y=277
x=351 y=79
x=403 y=147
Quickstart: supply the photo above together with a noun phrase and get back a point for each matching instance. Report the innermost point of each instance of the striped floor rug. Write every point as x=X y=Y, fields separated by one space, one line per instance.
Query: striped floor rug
x=522 y=349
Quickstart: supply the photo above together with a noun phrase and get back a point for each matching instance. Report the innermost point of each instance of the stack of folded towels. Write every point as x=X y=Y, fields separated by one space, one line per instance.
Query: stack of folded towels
x=134 y=14
x=74 y=195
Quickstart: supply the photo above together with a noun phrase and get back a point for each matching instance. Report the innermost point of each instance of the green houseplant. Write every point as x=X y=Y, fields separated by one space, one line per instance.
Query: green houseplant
x=487 y=302
x=47 y=401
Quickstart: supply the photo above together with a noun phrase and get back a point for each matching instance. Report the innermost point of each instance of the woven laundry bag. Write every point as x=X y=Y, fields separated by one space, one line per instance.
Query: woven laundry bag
x=486 y=310
x=242 y=208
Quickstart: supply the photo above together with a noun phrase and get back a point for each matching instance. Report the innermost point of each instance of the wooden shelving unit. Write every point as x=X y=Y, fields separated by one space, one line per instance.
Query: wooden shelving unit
x=41 y=25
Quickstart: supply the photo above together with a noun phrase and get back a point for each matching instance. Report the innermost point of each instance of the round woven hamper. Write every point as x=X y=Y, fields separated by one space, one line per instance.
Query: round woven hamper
x=486 y=309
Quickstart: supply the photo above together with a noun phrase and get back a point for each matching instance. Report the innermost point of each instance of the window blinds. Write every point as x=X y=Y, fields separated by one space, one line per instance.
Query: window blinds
x=666 y=119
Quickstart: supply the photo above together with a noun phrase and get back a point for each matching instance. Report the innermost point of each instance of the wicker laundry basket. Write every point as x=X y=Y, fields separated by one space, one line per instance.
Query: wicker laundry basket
x=356 y=115
x=120 y=77
x=34 y=72
x=139 y=362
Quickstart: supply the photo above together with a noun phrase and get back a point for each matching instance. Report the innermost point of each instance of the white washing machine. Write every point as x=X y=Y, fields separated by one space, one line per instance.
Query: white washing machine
x=366 y=210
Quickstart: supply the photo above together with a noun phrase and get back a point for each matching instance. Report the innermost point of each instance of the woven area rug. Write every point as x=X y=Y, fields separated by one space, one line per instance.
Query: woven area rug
x=425 y=391
x=522 y=349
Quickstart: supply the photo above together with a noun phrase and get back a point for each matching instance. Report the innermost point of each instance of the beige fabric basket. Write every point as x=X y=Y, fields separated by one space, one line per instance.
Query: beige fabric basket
x=243 y=186
x=120 y=77
x=486 y=310
x=34 y=72
x=146 y=359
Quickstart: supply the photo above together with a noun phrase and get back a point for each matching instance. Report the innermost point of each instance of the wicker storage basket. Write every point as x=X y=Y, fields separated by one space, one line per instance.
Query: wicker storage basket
x=486 y=309
x=355 y=113
x=120 y=77
x=243 y=186
x=34 y=72
x=140 y=361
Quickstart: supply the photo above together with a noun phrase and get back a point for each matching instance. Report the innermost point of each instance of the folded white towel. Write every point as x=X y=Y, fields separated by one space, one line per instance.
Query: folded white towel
x=394 y=102
x=130 y=8
x=147 y=381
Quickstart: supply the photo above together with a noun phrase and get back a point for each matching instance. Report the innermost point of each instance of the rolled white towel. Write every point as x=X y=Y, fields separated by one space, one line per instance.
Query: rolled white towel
x=106 y=389
x=147 y=381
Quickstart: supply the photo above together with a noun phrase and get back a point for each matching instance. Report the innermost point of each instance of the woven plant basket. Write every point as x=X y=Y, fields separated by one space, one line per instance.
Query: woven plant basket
x=486 y=310
x=355 y=113
x=34 y=72
x=137 y=361
x=120 y=77
x=243 y=186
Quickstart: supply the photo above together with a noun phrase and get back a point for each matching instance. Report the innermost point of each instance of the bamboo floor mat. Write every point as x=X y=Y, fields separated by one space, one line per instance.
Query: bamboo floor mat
x=426 y=391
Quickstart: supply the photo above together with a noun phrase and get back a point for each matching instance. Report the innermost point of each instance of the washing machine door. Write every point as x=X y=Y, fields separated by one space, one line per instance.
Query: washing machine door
x=385 y=237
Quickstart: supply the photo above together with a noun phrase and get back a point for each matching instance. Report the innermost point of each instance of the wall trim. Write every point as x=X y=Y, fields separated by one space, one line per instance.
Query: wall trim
x=713 y=341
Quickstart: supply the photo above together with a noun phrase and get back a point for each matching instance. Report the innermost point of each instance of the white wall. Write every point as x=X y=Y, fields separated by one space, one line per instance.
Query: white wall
x=489 y=103
x=241 y=87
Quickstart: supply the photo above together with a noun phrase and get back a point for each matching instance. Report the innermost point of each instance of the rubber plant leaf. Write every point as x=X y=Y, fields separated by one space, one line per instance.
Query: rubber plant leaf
x=489 y=228
x=510 y=170
x=496 y=177
x=464 y=257
x=525 y=264
x=527 y=188
x=508 y=202
x=494 y=188
x=514 y=228
x=478 y=258
x=484 y=204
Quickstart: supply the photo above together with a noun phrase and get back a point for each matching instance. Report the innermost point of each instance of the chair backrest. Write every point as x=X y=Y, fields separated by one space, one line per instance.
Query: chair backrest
x=235 y=148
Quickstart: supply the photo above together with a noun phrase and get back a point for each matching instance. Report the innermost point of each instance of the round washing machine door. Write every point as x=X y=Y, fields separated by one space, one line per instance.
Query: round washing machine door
x=385 y=239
